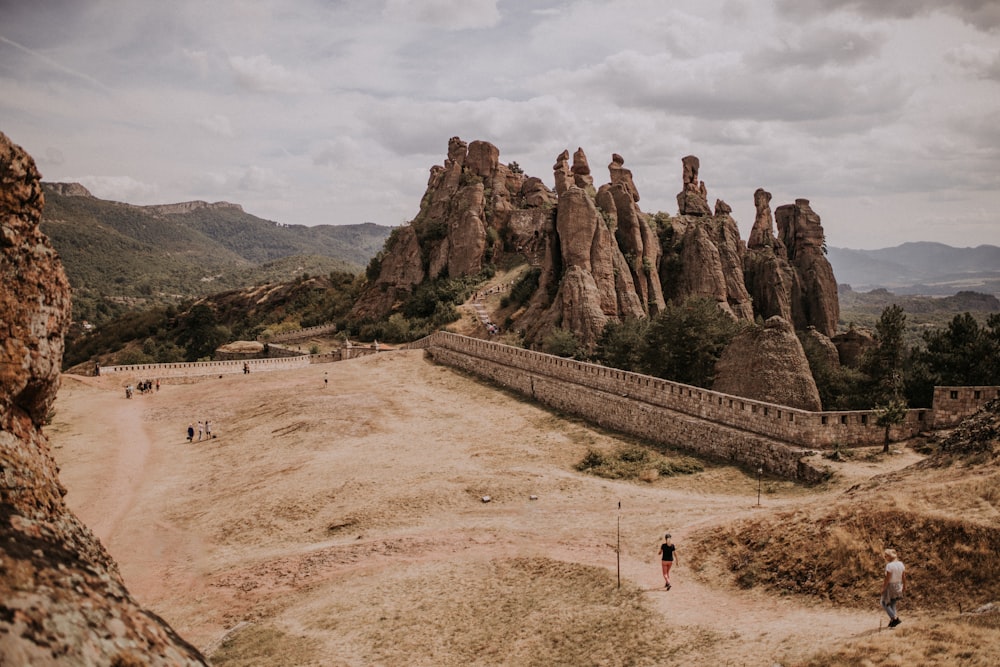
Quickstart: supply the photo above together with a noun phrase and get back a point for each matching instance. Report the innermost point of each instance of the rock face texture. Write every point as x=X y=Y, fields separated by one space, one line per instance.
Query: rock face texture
x=768 y=275
x=767 y=363
x=600 y=257
x=702 y=250
x=814 y=289
x=62 y=601
x=473 y=210
x=852 y=345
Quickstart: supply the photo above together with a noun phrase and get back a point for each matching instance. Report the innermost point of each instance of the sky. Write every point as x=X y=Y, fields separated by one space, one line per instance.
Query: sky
x=885 y=114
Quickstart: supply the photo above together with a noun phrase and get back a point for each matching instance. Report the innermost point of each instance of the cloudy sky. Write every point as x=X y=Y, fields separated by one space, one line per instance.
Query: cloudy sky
x=885 y=114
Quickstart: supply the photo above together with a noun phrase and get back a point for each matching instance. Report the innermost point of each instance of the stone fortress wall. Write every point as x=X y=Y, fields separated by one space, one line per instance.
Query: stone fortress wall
x=753 y=433
x=299 y=334
x=775 y=438
x=232 y=366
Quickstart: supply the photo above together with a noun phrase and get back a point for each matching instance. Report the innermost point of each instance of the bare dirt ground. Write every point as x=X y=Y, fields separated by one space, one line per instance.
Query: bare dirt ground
x=342 y=523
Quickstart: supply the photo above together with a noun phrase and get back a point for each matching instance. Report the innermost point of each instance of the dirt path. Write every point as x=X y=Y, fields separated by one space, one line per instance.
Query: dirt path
x=324 y=501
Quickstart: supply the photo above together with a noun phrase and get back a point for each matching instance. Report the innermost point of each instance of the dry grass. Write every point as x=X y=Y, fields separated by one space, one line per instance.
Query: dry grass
x=968 y=641
x=518 y=611
x=343 y=525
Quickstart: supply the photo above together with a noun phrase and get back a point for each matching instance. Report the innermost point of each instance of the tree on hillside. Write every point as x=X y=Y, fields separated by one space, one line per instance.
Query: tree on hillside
x=964 y=353
x=200 y=333
x=684 y=341
x=840 y=387
x=888 y=415
x=883 y=363
x=620 y=344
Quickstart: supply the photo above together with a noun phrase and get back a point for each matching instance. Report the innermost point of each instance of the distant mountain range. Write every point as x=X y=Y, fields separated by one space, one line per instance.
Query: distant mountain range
x=925 y=268
x=171 y=251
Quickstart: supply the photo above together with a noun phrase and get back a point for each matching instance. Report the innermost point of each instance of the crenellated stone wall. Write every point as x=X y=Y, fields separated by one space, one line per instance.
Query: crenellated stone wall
x=953 y=404
x=819 y=430
x=752 y=433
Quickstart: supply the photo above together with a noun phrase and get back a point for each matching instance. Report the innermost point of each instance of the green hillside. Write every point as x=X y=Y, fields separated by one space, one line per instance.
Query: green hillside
x=120 y=257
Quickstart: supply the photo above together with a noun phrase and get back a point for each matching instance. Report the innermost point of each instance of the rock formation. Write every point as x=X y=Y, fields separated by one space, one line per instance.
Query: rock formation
x=600 y=257
x=766 y=271
x=767 y=363
x=814 y=298
x=693 y=198
x=852 y=345
x=702 y=251
x=474 y=207
x=62 y=600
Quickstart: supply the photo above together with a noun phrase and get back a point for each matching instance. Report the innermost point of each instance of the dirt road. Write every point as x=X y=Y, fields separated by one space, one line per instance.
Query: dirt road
x=318 y=506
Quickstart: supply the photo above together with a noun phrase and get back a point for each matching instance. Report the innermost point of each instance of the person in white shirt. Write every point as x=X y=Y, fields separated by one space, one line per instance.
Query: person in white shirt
x=893 y=585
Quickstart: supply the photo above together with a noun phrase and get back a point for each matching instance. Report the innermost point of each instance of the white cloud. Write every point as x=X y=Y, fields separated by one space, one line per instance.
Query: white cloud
x=259 y=74
x=981 y=60
x=447 y=14
x=117 y=188
x=341 y=107
x=217 y=124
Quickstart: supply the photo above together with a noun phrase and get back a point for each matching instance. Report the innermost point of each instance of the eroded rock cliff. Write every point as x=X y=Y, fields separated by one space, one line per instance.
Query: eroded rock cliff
x=767 y=363
x=814 y=289
x=600 y=257
x=62 y=601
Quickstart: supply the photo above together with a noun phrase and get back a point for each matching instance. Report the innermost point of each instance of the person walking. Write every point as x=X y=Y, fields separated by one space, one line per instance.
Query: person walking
x=190 y=432
x=208 y=430
x=893 y=585
x=668 y=556
x=201 y=429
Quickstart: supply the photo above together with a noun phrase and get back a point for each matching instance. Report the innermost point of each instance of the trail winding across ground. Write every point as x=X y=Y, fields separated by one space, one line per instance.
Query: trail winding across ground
x=320 y=502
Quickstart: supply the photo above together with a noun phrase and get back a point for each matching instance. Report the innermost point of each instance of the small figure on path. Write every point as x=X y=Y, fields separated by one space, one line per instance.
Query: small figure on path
x=667 y=558
x=190 y=432
x=893 y=585
x=208 y=430
x=201 y=428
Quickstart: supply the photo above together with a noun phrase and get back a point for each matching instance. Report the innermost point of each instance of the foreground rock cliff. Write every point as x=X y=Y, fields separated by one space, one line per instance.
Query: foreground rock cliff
x=599 y=257
x=62 y=601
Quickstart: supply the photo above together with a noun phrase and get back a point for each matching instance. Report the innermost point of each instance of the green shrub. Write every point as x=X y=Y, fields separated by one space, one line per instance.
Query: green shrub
x=636 y=462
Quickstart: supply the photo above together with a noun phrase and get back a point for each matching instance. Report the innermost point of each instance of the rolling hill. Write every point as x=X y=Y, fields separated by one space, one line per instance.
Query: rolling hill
x=924 y=268
x=131 y=255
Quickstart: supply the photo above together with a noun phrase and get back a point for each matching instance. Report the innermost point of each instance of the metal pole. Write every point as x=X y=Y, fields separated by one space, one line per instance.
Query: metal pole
x=618 y=546
x=759 y=471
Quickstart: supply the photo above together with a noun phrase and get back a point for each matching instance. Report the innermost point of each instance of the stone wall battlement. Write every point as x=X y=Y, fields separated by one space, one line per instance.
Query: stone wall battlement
x=820 y=430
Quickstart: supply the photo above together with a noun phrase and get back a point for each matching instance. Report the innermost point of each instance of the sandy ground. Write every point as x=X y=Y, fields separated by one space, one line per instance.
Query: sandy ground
x=318 y=504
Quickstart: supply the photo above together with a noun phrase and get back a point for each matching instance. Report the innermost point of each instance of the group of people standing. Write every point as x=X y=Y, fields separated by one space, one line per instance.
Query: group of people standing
x=893 y=585
x=204 y=430
x=144 y=387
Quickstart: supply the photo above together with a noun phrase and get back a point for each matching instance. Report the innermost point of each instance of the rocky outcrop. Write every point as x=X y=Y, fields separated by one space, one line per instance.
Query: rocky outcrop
x=826 y=352
x=767 y=363
x=814 y=298
x=602 y=258
x=693 y=198
x=619 y=202
x=69 y=189
x=62 y=600
x=598 y=255
x=767 y=274
x=183 y=208
x=852 y=344
x=702 y=251
x=474 y=210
